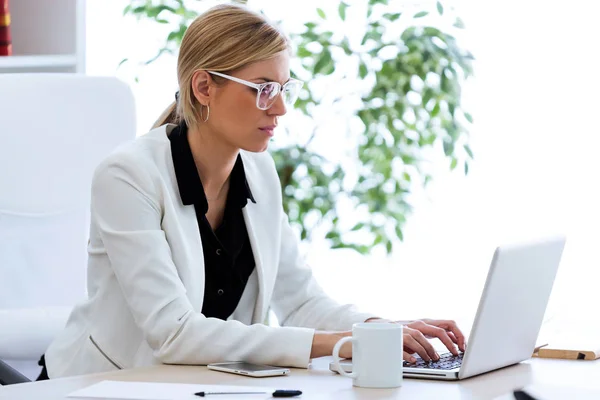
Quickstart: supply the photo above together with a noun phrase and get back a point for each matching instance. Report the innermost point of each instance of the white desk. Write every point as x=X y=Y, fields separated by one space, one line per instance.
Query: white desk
x=319 y=383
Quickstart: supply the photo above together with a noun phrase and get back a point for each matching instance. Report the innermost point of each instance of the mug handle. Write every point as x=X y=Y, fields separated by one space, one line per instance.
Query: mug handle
x=336 y=357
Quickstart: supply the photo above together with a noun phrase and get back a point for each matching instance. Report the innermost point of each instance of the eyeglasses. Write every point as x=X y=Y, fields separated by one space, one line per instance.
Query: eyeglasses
x=268 y=91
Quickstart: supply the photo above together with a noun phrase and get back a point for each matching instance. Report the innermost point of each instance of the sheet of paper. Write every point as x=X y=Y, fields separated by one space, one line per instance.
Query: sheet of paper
x=165 y=391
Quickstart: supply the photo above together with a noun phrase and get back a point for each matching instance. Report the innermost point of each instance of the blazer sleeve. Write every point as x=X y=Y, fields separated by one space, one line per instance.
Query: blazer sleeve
x=298 y=300
x=127 y=213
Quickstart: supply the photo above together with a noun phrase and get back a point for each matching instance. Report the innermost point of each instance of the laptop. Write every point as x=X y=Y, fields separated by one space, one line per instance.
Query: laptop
x=509 y=317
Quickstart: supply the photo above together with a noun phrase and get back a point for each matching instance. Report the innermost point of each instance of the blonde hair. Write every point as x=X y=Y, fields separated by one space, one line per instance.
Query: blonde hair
x=223 y=39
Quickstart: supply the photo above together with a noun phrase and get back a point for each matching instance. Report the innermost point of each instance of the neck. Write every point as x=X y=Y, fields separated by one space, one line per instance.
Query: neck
x=214 y=160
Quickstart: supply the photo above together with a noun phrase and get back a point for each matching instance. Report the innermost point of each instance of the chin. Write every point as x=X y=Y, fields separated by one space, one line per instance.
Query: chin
x=257 y=147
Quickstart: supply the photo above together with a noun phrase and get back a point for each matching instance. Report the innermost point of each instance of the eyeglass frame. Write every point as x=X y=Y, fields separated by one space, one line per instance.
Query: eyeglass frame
x=259 y=86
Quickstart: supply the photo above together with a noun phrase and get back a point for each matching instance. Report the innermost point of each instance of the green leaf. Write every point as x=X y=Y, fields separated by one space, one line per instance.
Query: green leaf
x=332 y=235
x=388 y=247
x=448 y=147
x=362 y=70
x=322 y=62
x=342 y=10
x=123 y=61
x=154 y=11
x=399 y=232
x=358 y=227
x=378 y=239
x=303 y=52
x=345 y=45
x=468 y=150
x=421 y=14
x=321 y=13
x=392 y=16
x=466 y=168
x=469 y=117
x=453 y=164
x=440 y=8
x=303 y=234
x=325 y=38
x=329 y=68
x=310 y=25
x=174 y=36
x=459 y=23
x=140 y=10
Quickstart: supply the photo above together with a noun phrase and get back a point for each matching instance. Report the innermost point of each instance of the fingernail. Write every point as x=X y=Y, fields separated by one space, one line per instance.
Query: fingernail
x=413 y=360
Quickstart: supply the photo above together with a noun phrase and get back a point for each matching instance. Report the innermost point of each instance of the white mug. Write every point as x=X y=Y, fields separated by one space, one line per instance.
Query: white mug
x=376 y=355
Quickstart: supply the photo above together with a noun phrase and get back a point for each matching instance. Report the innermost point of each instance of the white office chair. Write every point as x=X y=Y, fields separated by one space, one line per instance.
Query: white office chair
x=54 y=130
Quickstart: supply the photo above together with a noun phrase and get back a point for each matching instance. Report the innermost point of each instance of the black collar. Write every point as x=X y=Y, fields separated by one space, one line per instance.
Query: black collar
x=188 y=180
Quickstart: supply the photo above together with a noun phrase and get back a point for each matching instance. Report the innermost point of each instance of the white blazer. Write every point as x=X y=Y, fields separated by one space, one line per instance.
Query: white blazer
x=146 y=275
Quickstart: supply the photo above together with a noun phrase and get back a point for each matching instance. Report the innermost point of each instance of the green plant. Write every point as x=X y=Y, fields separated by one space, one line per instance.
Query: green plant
x=413 y=74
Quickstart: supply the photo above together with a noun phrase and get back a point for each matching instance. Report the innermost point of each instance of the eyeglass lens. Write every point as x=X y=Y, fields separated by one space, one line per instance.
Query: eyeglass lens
x=269 y=93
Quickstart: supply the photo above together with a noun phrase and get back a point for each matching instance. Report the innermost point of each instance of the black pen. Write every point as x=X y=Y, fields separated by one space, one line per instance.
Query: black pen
x=277 y=393
x=522 y=395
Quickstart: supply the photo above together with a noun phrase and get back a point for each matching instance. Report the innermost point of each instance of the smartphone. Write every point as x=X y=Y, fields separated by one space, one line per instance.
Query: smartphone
x=248 y=369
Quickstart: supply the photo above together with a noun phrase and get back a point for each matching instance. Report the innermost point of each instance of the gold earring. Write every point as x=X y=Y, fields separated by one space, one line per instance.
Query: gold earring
x=207 y=113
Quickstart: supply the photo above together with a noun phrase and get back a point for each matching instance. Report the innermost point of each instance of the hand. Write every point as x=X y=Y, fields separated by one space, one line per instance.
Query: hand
x=445 y=330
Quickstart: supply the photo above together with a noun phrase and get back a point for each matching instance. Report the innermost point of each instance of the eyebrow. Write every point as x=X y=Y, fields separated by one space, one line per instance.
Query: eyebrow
x=270 y=80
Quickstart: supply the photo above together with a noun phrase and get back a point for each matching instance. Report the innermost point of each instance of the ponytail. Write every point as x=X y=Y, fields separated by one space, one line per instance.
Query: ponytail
x=169 y=116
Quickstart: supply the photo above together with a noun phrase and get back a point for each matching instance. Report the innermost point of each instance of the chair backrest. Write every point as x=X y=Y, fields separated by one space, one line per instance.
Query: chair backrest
x=54 y=130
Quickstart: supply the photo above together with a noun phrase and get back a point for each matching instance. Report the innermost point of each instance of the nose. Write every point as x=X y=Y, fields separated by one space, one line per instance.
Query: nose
x=278 y=108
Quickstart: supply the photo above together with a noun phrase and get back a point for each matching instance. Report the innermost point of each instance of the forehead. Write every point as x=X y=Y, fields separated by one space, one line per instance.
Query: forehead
x=276 y=69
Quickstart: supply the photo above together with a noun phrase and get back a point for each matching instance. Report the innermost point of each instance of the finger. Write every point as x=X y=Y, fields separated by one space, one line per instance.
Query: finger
x=452 y=337
x=426 y=344
x=421 y=327
x=460 y=338
x=443 y=336
x=414 y=346
x=408 y=357
x=455 y=340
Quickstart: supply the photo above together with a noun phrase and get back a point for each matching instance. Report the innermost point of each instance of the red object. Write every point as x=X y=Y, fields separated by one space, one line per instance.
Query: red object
x=5 y=41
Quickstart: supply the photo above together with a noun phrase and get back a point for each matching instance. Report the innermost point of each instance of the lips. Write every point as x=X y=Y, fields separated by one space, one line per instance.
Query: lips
x=268 y=129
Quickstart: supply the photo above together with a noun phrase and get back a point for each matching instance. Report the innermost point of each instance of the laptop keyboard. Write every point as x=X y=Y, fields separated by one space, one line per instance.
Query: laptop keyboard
x=447 y=361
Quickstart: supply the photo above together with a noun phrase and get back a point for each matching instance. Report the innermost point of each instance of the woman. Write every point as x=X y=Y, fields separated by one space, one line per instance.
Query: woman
x=189 y=245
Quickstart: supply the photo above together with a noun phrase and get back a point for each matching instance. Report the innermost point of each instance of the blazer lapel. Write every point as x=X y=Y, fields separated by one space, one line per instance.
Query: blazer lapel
x=193 y=276
x=252 y=225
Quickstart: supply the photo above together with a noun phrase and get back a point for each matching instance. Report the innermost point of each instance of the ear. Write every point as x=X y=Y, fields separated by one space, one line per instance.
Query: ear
x=201 y=86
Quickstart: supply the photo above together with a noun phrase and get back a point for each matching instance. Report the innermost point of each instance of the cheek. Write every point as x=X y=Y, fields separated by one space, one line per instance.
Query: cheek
x=239 y=109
